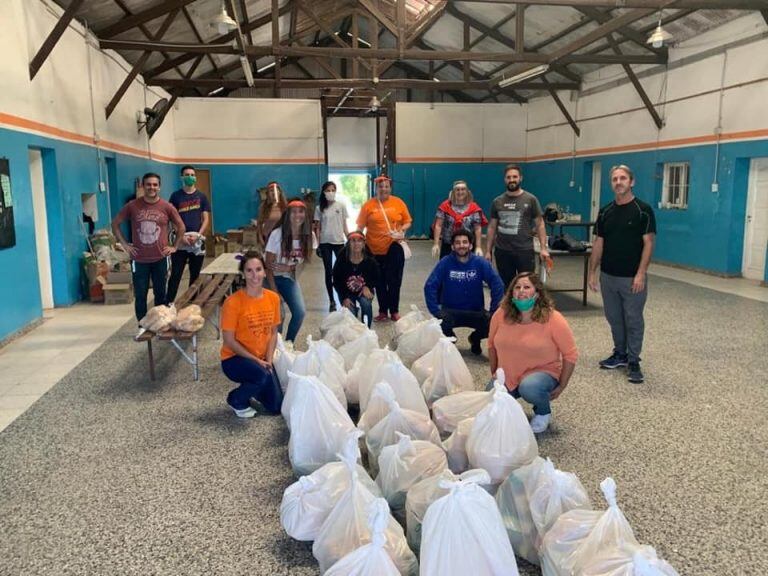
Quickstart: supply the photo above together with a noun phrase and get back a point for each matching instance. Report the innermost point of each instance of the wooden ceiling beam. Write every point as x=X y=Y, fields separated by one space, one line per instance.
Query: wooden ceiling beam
x=639 y=39
x=52 y=38
x=636 y=83
x=159 y=9
x=654 y=5
x=552 y=92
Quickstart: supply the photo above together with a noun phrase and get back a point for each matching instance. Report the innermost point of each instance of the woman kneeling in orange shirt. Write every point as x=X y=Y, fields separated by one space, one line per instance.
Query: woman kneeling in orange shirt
x=249 y=321
x=534 y=345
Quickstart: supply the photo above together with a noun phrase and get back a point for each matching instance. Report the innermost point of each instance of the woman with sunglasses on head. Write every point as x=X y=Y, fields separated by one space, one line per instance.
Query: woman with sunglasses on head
x=385 y=219
x=458 y=212
x=355 y=276
x=534 y=345
x=290 y=244
x=331 y=228
x=249 y=321
x=272 y=209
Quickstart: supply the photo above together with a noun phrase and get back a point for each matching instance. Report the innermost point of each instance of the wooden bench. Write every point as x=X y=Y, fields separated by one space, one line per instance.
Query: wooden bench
x=208 y=292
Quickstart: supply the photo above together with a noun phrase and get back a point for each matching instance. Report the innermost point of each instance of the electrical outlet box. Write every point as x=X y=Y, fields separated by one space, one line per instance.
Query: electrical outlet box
x=571 y=184
x=102 y=187
x=715 y=187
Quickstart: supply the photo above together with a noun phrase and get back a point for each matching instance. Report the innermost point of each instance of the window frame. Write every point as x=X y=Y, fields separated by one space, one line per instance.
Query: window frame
x=683 y=186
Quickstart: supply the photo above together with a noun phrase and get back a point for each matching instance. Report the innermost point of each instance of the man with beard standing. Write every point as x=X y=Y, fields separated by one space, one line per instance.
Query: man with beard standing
x=516 y=216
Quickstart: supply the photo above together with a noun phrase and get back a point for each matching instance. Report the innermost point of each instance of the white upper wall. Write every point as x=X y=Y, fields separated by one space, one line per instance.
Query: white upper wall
x=249 y=130
x=59 y=97
x=687 y=97
x=459 y=132
x=351 y=142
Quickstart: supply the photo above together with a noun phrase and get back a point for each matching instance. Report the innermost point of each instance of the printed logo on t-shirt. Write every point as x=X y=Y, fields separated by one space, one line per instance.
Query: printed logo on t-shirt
x=149 y=229
x=462 y=275
x=259 y=322
x=355 y=284
x=509 y=222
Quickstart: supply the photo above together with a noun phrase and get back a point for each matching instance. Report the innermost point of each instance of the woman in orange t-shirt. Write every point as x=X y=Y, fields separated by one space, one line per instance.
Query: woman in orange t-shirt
x=386 y=219
x=249 y=321
x=534 y=345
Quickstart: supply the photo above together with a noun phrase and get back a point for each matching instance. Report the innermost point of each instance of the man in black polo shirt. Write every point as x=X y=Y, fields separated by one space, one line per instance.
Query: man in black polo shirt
x=626 y=232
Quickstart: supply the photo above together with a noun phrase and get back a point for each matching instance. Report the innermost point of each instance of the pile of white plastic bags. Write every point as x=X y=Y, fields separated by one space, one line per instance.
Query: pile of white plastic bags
x=432 y=469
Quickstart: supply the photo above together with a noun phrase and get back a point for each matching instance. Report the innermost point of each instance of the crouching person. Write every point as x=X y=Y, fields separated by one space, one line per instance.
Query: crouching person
x=454 y=290
x=354 y=276
x=249 y=321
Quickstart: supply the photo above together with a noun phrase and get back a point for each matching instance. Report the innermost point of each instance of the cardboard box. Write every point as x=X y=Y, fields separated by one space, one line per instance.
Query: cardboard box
x=96 y=292
x=119 y=277
x=235 y=236
x=94 y=269
x=251 y=237
x=234 y=246
x=118 y=294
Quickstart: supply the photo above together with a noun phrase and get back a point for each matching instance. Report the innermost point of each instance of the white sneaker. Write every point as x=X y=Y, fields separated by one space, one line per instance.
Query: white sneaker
x=539 y=423
x=244 y=413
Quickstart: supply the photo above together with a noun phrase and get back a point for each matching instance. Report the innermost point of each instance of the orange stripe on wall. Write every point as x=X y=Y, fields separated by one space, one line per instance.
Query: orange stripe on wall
x=33 y=126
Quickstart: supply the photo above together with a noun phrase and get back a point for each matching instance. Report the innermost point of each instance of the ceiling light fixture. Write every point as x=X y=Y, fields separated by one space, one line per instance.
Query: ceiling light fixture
x=525 y=75
x=247 y=70
x=265 y=67
x=374 y=104
x=659 y=36
x=223 y=22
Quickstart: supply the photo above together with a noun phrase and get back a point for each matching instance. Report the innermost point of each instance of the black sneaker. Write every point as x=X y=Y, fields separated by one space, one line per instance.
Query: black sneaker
x=474 y=342
x=634 y=374
x=613 y=362
x=332 y=307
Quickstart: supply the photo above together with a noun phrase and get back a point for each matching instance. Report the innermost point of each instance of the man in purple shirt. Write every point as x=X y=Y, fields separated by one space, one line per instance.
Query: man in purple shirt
x=149 y=216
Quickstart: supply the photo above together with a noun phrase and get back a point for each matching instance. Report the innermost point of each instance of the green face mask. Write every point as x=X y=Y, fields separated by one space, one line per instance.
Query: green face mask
x=524 y=305
x=189 y=180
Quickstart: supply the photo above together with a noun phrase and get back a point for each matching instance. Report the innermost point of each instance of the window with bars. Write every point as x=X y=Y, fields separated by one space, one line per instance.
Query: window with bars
x=676 y=185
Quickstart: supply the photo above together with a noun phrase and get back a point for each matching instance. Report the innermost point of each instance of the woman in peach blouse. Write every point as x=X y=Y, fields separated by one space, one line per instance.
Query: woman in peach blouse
x=534 y=345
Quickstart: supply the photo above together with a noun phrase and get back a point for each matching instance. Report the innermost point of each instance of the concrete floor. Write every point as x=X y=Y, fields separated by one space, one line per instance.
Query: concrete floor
x=111 y=473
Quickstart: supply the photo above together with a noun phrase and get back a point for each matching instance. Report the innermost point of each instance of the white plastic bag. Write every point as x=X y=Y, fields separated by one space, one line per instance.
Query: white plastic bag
x=463 y=533
x=456 y=446
x=283 y=361
x=449 y=374
x=308 y=501
x=343 y=316
x=580 y=537
x=450 y=410
x=418 y=340
x=402 y=381
x=629 y=560
x=364 y=344
x=363 y=372
x=370 y=559
x=501 y=438
x=424 y=365
x=399 y=421
x=403 y=464
x=319 y=425
x=346 y=529
x=344 y=332
x=378 y=406
x=323 y=361
x=409 y=320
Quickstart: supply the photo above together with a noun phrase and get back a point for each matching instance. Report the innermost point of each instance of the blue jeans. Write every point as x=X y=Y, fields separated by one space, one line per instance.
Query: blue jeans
x=535 y=389
x=255 y=382
x=366 y=308
x=142 y=271
x=290 y=292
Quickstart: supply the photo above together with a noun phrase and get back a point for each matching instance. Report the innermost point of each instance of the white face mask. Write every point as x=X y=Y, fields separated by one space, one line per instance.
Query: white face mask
x=330 y=196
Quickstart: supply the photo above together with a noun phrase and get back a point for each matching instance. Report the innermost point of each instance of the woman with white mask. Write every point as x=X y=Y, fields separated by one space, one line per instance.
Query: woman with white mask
x=331 y=228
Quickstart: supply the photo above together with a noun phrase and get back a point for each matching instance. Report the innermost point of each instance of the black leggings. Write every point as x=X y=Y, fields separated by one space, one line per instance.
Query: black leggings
x=327 y=252
x=391 y=267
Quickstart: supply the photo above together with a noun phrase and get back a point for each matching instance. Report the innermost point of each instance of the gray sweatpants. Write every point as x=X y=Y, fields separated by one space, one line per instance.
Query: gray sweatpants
x=624 y=312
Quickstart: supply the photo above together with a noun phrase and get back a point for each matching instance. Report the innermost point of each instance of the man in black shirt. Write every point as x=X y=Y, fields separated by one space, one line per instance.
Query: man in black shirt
x=626 y=232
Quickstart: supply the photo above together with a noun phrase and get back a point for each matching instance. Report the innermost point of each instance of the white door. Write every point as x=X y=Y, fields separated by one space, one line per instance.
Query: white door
x=41 y=228
x=756 y=224
x=595 y=207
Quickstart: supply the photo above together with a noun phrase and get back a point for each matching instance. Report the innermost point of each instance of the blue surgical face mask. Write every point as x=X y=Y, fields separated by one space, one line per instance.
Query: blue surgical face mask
x=524 y=305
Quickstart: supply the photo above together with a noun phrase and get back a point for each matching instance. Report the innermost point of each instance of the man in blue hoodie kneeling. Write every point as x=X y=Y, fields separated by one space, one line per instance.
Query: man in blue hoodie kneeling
x=454 y=290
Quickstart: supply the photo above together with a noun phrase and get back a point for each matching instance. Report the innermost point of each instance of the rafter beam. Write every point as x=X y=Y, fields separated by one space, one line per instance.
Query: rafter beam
x=602 y=17
x=53 y=38
x=159 y=9
x=520 y=29
x=551 y=89
x=223 y=39
x=423 y=25
x=379 y=16
x=636 y=83
x=139 y=64
x=335 y=37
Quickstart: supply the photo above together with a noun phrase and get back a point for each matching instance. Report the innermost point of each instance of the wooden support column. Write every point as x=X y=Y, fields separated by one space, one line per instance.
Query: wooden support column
x=466 y=68
x=374 y=40
x=139 y=64
x=355 y=34
x=53 y=38
x=520 y=29
x=401 y=27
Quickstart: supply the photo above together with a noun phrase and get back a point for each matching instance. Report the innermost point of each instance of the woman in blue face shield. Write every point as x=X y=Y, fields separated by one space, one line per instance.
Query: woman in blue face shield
x=534 y=345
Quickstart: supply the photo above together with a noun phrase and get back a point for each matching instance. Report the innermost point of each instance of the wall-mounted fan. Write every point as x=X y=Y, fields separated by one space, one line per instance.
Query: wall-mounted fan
x=153 y=117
